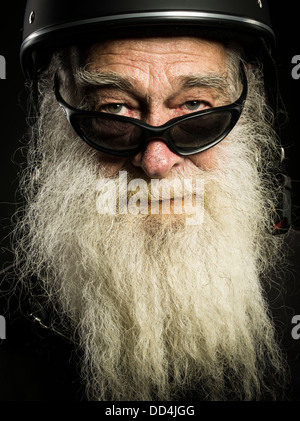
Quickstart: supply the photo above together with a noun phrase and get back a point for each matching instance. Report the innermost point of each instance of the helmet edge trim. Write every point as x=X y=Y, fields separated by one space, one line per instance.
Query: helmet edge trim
x=167 y=14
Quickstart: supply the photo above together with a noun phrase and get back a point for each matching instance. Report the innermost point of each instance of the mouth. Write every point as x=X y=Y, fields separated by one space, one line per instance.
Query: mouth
x=177 y=205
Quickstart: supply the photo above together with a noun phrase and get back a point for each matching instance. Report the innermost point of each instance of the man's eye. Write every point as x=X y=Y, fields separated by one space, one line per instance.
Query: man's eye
x=195 y=105
x=114 y=108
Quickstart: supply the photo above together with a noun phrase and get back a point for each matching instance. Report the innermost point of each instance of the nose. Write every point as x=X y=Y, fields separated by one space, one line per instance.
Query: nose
x=157 y=160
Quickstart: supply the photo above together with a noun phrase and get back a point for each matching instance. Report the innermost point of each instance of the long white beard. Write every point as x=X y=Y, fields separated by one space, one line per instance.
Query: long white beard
x=163 y=310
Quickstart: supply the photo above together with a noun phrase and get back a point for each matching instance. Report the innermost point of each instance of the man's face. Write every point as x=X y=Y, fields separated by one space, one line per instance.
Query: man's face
x=158 y=70
x=161 y=309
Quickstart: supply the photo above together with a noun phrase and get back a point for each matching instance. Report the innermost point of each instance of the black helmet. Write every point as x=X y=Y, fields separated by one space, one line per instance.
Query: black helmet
x=51 y=24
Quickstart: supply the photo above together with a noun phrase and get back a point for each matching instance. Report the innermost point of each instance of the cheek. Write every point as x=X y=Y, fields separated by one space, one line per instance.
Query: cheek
x=207 y=159
x=110 y=165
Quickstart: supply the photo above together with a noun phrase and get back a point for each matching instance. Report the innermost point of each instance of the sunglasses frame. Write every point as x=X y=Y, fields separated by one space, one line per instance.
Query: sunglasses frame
x=162 y=132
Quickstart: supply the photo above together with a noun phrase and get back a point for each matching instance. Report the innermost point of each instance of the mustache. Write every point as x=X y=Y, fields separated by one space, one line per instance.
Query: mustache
x=152 y=189
x=136 y=195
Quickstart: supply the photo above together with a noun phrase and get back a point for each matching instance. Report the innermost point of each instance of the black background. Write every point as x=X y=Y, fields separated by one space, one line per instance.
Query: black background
x=13 y=105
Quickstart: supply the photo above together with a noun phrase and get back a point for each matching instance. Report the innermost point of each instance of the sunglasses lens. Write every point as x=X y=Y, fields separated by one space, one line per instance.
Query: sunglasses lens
x=201 y=131
x=109 y=134
x=124 y=138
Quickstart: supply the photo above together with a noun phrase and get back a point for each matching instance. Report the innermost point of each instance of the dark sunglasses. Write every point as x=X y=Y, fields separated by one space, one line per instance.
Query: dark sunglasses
x=125 y=136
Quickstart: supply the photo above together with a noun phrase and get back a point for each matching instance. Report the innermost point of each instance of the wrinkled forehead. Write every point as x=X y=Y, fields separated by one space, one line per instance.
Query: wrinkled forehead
x=161 y=52
x=155 y=61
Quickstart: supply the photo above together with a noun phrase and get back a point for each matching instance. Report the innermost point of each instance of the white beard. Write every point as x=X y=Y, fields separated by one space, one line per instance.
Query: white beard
x=163 y=310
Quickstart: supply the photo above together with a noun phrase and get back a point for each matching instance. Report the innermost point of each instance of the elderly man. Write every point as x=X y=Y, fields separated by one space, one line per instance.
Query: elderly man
x=147 y=240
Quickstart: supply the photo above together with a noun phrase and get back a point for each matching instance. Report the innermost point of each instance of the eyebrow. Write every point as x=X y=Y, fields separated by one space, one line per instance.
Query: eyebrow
x=208 y=80
x=86 y=78
x=126 y=83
